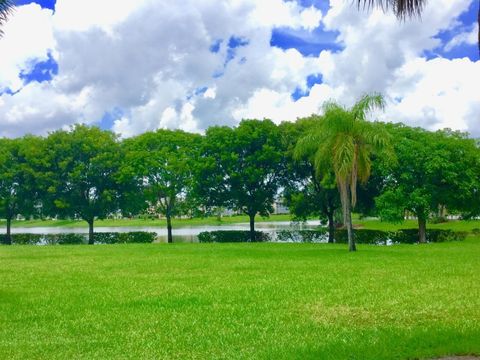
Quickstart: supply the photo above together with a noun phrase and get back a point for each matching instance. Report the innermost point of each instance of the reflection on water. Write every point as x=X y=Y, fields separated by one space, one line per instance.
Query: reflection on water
x=181 y=235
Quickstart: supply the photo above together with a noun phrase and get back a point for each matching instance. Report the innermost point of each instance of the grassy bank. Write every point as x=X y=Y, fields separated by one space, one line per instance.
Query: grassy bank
x=239 y=301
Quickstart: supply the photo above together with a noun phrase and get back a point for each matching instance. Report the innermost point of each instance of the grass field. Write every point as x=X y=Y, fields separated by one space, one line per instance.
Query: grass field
x=239 y=301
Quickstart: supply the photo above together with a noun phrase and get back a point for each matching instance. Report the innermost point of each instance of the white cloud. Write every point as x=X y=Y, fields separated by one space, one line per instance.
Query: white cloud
x=149 y=58
x=28 y=36
x=441 y=93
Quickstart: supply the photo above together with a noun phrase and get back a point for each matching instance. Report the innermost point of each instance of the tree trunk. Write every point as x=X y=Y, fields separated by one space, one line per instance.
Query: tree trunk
x=331 y=227
x=91 y=239
x=169 y=229
x=252 y=227
x=8 y=237
x=348 y=220
x=422 y=230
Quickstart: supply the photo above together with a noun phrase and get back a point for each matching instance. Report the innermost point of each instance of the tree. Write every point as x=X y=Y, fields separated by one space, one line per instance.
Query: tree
x=6 y=8
x=241 y=168
x=18 y=192
x=162 y=164
x=83 y=172
x=343 y=142
x=433 y=170
x=307 y=193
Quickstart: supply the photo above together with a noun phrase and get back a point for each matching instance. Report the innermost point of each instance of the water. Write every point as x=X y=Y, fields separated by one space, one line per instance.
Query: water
x=181 y=234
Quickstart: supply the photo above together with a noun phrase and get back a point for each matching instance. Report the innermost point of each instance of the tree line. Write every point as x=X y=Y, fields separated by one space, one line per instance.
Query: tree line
x=323 y=166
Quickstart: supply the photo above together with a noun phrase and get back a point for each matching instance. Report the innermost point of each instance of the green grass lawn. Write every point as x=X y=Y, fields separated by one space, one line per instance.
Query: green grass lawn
x=239 y=301
x=146 y=222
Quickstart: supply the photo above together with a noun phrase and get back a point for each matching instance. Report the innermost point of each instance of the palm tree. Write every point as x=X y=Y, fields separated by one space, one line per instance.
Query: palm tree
x=343 y=141
x=406 y=8
x=6 y=8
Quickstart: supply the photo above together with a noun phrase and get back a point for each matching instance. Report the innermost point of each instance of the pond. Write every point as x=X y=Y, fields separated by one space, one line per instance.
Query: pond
x=181 y=234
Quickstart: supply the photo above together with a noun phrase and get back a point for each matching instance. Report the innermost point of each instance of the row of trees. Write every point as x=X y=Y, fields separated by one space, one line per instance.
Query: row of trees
x=313 y=164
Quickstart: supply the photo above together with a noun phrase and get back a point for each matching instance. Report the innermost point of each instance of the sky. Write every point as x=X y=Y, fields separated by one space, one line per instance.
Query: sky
x=138 y=65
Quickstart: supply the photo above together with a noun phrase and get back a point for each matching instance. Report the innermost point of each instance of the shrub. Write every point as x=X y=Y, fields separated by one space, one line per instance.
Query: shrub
x=224 y=236
x=476 y=231
x=124 y=238
x=303 y=236
x=363 y=236
x=76 y=239
x=70 y=239
x=372 y=237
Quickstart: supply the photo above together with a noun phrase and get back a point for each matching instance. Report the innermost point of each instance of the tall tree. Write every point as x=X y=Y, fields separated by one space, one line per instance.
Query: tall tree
x=433 y=170
x=343 y=141
x=162 y=164
x=6 y=8
x=306 y=192
x=18 y=190
x=241 y=168
x=83 y=171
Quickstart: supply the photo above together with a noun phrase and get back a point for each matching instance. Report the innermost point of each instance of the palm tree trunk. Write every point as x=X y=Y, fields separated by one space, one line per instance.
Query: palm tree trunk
x=347 y=213
x=331 y=227
x=348 y=224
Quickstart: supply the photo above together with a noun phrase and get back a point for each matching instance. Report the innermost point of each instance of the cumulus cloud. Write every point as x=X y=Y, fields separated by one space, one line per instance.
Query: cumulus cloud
x=211 y=62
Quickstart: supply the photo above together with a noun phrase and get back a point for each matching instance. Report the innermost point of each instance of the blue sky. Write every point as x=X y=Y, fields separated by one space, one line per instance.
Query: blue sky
x=267 y=59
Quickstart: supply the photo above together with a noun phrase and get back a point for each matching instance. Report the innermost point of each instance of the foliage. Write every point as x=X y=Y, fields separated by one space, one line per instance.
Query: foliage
x=371 y=237
x=47 y=239
x=433 y=170
x=141 y=237
x=6 y=9
x=161 y=163
x=343 y=142
x=75 y=238
x=241 y=168
x=231 y=236
x=306 y=192
x=18 y=179
x=82 y=168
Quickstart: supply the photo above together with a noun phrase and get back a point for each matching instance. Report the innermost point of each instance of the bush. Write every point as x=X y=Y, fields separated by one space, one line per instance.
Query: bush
x=372 y=237
x=410 y=236
x=76 y=239
x=303 y=236
x=476 y=231
x=363 y=236
x=224 y=236
x=125 y=238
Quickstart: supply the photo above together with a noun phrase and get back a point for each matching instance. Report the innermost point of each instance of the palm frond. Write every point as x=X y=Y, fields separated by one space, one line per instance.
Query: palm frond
x=401 y=8
x=366 y=104
x=6 y=9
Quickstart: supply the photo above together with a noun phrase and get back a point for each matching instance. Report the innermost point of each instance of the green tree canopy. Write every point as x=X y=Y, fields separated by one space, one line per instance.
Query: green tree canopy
x=241 y=168
x=434 y=169
x=18 y=182
x=162 y=164
x=83 y=172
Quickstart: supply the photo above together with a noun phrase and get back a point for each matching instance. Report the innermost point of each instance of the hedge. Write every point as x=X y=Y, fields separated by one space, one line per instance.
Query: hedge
x=139 y=237
x=231 y=236
x=373 y=237
x=75 y=239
